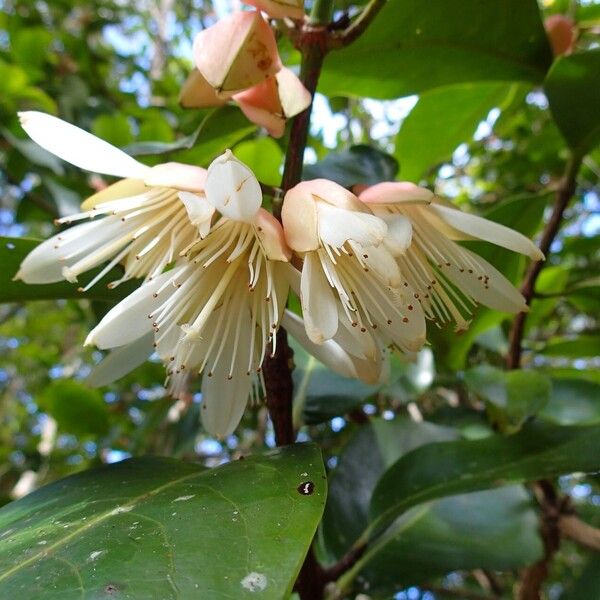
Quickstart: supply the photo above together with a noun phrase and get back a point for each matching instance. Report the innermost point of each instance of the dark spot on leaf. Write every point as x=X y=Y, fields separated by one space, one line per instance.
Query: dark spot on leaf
x=306 y=488
x=111 y=589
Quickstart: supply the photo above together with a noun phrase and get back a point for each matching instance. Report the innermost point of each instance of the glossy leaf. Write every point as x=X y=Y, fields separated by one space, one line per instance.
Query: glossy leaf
x=442 y=119
x=573 y=90
x=578 y=347
x=162 y=528
x=14 y=250
x=494 y=529
x=446 y=468
x=408 y=49
x=573 y=401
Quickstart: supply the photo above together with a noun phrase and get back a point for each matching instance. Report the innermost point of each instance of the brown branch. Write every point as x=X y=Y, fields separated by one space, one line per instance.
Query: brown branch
x=564 y=193
x=575 y=529
x=356 y=29
x=344 y=564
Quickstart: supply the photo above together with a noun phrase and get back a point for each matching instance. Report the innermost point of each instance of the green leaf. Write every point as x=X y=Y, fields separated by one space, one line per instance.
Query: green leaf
x=160 y=147
x=263 y=156
x=511 y=396
x=76 y=408
x=578 y=347
x=573 y=401
x=407 y=49
x=114 y=129
x=221 y=129
x=442 y=469
x=494 y=529
x=35 y=153
x=573 y=91
x=358 y=164
x=162 y=528
x=441 y=120
x=321 y=394
x=12 y=253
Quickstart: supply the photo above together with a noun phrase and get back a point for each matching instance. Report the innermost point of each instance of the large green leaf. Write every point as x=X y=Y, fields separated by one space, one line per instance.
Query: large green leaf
x=411 y=47
x=161 y=528
x=580 y=346
x=447 y=468
x=494 y=529
x=573 y=90
x=441 y=120
x=14 y=250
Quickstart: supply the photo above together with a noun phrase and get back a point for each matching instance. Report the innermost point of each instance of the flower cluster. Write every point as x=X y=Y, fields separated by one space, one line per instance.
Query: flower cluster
x=237 y=59
x=370 y=270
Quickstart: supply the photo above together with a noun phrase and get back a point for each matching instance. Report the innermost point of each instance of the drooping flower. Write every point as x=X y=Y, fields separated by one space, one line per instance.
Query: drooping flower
x=141 y=222
x=350 y=286
x=448 y=279
x=217 y=310
x=237 y=59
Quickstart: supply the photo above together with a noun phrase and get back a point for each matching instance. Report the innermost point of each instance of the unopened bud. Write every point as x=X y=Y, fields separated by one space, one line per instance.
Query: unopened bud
x=236 y=53
x=561 y=33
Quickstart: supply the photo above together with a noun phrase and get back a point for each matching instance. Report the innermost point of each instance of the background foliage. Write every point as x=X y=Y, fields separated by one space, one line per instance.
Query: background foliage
x=418 y=459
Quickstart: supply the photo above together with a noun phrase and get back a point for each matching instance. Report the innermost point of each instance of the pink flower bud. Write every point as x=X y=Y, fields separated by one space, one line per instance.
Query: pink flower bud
x=198 y=93
x=279 y=9
x=274 y=100
x=236 y=53
x=561 y=33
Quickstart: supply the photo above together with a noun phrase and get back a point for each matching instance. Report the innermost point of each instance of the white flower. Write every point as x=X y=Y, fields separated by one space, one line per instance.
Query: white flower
x=350 y=286
x=446 y=278
x=143 y=221
x=217 y=310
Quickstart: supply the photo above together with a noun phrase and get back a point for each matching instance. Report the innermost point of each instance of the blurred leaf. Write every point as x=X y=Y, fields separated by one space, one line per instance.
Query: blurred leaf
x=408 y=50
x=443 y=469
x=161 y=528
x=573 y=401
x=494 y=529
x=358 y=164
x=114 y=129
x=34 y=153
x=321 y=394
x=31 y=45
x=511 y=396
x=442 y=119
x=12 y=253
x=76 y=408
x=580 y=346
x=263 y=156
x=221 y=129
x=573 y=90
x=67 y=201
x=161 y=147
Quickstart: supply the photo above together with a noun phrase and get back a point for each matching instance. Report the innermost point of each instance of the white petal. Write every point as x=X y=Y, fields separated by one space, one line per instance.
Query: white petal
x=232 y=188
x=79 y=147
x=224 y=401
x=500 y=294
x=399 y=234
x=121 y=361
x=318 y=301
x=330 y=353
x=337 y=226
x=128 y=320
x=199 y=210
x=379 y=260
x=483 y=229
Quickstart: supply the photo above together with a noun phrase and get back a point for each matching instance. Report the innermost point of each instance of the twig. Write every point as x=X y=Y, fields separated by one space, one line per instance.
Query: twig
x=344 y=564
x=564 y=193
x=356 y=29
x=575 y=529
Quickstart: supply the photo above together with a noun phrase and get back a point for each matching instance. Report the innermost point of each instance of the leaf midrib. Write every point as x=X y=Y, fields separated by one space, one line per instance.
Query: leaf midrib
x=93 y=522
